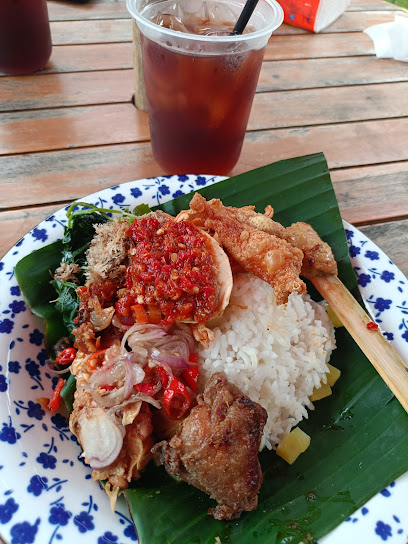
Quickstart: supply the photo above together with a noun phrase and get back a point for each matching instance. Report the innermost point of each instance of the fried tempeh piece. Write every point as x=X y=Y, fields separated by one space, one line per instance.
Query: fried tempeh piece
x=216 y=448
x=268 y=256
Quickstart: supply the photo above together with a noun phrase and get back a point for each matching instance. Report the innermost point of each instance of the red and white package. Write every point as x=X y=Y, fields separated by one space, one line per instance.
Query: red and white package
x=313 y=15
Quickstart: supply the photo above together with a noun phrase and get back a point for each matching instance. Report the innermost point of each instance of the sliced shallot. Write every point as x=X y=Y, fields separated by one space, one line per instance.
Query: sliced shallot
x=120 y=371
x=174 y=362
x=101 y=439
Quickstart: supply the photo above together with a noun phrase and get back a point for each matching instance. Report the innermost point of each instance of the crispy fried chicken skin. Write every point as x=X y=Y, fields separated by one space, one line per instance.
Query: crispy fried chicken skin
x=260 y=245
x=216 y=448
x=266 y=255
x=318 y=258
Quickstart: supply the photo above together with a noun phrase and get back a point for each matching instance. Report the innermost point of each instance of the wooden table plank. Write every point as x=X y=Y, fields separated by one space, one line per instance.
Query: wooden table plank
x=61 y=90
x=65 y=11
x=339 y=72
x=59 y=176
x=283 y=109
x=275 y=75
x=372 y=193
x=66 y=175
x=92 y=57
x=69 y=11
x=60 y=128
x=120 y=30
x=328 y=105
x=309 y=46
x=323 y=92
x=365 y=194
x=345 y=145
x=65 y=128
x=112 y=56
x=91 y=31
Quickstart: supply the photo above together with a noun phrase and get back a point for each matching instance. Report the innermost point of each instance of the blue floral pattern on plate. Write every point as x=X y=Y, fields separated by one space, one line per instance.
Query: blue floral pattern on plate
x=383 y=287
x=40 y=458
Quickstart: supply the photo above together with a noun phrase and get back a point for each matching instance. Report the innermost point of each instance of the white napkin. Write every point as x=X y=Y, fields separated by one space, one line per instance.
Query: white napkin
x=391 y=39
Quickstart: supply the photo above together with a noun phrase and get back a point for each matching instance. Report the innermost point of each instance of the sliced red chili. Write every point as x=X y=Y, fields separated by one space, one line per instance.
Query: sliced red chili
x=154 y=314
x=176 y=399
x=164 y=376
x=140 y=314
x=55 y=399
x=146 y=388
x=93 y=360
x=108 y=387
x=66 y=356
x=123 y=306
x=372 y=326
x=190 y=376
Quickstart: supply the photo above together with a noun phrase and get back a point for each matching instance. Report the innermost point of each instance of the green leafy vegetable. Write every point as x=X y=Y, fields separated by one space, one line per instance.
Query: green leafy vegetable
x=77 y=237
x=68 y=391
x=34 y=276
x=141 y=209
x=55 y=300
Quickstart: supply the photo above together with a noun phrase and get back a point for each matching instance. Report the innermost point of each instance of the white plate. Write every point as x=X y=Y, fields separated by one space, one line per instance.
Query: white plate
x=39 y=456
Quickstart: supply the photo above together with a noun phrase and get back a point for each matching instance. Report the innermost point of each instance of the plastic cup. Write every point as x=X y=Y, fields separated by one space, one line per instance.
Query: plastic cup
x=25 y=36
x=200 y=88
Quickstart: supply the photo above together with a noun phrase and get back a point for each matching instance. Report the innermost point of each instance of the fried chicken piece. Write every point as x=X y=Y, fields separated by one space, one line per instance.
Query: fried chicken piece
x=268 y=256
x=260 y=221
x=216 y=448
x=318 y=258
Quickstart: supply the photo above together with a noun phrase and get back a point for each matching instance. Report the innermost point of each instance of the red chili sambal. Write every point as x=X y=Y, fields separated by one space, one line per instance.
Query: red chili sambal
x=171 y=268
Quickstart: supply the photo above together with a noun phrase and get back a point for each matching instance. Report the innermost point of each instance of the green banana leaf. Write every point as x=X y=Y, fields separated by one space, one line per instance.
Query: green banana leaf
x=359 y=434
x=34 y=276
x=400 y=3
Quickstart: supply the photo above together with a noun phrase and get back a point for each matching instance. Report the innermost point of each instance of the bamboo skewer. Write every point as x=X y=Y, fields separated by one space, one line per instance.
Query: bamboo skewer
x=377 y=349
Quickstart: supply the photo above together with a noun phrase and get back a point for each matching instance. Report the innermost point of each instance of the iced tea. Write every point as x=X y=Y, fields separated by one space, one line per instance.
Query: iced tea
x=25 y=37
x=200 y=80
x=198 y=107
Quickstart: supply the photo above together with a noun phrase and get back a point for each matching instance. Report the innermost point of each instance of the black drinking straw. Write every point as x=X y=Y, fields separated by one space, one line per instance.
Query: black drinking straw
x=244 y=17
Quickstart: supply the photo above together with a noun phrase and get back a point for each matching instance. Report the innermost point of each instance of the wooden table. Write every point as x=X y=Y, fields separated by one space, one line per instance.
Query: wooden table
x=72 y=129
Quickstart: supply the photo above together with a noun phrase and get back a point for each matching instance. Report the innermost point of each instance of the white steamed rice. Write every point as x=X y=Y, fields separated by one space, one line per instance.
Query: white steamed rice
x=275 y=354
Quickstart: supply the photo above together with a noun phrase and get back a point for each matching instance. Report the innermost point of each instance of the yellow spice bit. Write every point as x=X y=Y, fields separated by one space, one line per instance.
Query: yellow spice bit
x=295 y=443
x=333 y=317
x=323 y=391
x=333 y=375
